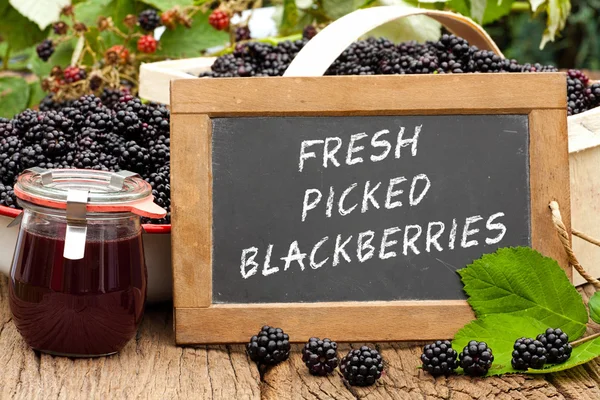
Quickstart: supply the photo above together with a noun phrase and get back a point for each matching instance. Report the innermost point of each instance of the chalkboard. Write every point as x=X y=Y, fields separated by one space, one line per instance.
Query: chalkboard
x=364 y=194
x=468 y=176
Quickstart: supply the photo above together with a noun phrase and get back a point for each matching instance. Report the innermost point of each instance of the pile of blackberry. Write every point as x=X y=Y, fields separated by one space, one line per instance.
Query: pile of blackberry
x=113 y=132
x=449 y=55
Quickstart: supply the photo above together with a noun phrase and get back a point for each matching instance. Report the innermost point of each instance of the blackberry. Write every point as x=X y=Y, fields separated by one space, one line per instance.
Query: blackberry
x=110 y=97
x=159 y=151
x=134 y=158
x=269 y=347
x=10 y=167
x=439 y=358
x=149 y=20
x=7 y=128
x=25 y=120
x=528 y=353
x=113 y=144
x=362 y=367
x=320 y=356
x=7 y=196
x=309 y=32
x=593 y=95
x=49 y=104
x=49 y=133
x=74 y=74
x=87 y=159
x=242 y=33
x=33 y=156
x=557 y=345
x=161 y=190
x=577 y=100
x=90 y=139
x=45 y=49
x=159 y=117
x=476 y=358
x=88 y=104
x=127 y=123
x=577 y=74
x=102 y=120
x=485 y=61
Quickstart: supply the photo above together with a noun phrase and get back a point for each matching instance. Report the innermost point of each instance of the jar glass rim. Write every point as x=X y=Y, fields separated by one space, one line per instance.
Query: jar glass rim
x=42 y=188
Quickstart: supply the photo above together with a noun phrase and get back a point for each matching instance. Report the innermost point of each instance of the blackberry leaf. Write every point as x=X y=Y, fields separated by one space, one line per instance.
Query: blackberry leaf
x=520 y=281
x=594 y=306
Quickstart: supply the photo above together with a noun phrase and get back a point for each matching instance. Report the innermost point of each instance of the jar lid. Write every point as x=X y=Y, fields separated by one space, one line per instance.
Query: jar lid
x=105 y=191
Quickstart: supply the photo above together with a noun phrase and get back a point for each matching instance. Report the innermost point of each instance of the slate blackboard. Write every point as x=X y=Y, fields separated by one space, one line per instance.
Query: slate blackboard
x=476 y=166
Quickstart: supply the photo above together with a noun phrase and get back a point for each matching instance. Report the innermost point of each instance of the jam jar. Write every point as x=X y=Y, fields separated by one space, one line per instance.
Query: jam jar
x=78 y=279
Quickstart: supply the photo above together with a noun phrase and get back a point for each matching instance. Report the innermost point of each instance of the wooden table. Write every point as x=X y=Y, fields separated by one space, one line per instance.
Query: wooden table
x=152 y=367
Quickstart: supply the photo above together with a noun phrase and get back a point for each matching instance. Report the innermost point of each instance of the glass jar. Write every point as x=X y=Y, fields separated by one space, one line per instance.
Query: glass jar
x=78 y=279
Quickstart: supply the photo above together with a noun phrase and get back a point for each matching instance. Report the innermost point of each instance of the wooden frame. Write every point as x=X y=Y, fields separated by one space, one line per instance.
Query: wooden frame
x=194 y=102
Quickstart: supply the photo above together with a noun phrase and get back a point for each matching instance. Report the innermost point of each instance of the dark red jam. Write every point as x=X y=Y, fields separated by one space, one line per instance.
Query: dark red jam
x=87 y=307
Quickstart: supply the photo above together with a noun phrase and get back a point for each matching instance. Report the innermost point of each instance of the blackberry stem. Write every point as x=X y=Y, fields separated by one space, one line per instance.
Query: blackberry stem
x=585 y=339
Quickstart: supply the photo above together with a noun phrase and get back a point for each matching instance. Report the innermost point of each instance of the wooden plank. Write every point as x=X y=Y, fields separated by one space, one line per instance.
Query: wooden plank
x=149 y=367
x=378 y=95
x=344 y=321
x=191 y=210
x=549 y=180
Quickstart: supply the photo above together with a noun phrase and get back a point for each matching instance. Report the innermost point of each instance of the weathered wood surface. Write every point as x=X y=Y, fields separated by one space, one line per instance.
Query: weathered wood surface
x=152 y=367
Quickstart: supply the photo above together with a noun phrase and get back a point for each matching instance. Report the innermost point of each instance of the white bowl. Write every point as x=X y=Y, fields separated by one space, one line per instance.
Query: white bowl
x=157 y=250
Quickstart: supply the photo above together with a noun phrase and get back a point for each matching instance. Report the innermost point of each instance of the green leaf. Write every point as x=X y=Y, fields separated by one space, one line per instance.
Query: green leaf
x=17 y=30
x=520 y=281
x=289 y=18
x=183 y=42
x=594 y=306
x=164 y=5
x=89 y=11
x=338 y=8
x=36 y=94
x=558 y=11
x=14 y=95
x=581 y=354
x=499 y=331
x=496 y=9
x=460 y=6
x=478 y=9
x=42 y=12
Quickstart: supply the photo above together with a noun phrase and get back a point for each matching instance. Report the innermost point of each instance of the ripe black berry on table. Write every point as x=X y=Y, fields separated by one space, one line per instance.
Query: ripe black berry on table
x=557 y=345
x=439 y=358
x=476 y=358
x=362 y=367
x=528 y=353
x=320 y=356
x=269 y=347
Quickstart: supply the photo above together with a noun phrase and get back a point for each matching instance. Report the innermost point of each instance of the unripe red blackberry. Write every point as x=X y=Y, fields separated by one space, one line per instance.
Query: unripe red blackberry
x=219 y=20
x=147 y=44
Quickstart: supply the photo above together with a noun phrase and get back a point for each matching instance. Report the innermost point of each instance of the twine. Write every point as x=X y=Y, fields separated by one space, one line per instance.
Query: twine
x=563 y=235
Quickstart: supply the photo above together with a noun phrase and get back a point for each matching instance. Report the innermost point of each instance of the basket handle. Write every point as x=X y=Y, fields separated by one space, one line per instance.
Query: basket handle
x=322 y=50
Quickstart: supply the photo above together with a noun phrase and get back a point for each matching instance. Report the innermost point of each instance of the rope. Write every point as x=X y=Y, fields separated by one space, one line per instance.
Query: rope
x=563 y=235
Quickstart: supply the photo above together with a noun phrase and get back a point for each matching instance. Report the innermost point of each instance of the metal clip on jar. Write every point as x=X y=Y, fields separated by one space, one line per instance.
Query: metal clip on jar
x=78 y=279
